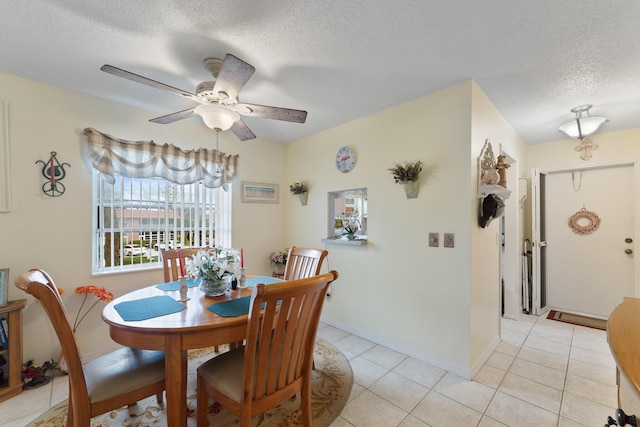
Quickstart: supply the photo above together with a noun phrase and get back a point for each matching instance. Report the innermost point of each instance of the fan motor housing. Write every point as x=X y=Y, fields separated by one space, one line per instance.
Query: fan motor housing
x=205 y=90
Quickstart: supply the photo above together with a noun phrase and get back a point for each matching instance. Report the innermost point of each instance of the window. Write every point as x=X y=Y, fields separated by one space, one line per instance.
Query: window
x=135 y=218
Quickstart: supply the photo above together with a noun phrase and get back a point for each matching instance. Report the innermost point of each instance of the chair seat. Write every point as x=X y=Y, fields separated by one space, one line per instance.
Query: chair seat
x=122 y=371
x=225 y=373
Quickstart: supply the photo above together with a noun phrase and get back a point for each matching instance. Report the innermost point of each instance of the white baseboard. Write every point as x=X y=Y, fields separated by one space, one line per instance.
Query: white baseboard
x=485 y=356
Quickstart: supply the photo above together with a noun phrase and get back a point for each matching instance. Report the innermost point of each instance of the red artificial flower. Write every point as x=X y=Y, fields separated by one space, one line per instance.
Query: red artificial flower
x=101 y=293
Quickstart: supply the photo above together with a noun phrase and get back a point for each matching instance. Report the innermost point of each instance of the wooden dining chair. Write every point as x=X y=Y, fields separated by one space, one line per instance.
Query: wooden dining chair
x=171 y=261
x=109 y=382
x=275 y=363
x=303 y=262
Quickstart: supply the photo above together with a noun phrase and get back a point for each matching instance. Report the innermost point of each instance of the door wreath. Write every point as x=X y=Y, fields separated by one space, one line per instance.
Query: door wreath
x=591 y=217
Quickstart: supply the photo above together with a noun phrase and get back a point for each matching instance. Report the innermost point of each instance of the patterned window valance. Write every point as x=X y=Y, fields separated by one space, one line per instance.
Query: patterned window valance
x=146 y=159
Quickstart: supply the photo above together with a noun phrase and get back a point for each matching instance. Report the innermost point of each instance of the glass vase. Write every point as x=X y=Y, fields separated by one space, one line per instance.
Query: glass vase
x=214 y=288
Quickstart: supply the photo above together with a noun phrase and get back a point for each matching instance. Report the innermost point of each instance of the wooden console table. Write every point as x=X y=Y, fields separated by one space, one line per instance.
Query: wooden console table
x=13 y=354
x=623 y=335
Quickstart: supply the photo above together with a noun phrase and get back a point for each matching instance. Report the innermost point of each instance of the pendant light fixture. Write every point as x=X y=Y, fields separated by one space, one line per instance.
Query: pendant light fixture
x=583 y=124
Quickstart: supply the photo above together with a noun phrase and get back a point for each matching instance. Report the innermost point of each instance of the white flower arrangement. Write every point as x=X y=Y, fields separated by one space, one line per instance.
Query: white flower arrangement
x=213 y=264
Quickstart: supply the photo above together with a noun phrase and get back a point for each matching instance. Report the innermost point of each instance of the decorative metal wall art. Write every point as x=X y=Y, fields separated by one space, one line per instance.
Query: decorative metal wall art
x=54 y=172
x=584 y=221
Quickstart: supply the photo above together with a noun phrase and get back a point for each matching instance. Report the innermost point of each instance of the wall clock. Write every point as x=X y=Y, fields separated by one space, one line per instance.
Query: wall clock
x=345 y=159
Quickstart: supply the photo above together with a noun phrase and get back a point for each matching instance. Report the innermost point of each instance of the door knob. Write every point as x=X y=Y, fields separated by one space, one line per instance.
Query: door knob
x=628 y=251
x=628 y=240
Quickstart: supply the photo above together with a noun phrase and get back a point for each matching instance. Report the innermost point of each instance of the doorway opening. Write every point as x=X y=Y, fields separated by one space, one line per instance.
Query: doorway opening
x=576 y=272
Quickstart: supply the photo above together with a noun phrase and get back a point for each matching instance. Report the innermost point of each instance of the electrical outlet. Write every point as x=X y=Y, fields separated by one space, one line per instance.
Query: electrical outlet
x=434 y=240
x=449 y=240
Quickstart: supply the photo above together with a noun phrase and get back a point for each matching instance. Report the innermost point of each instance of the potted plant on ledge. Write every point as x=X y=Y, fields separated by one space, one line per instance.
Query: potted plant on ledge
x=300 y=189
x=407 y=174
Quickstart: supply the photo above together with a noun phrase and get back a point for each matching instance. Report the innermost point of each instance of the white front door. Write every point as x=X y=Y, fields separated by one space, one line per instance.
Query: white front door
x=588 y=273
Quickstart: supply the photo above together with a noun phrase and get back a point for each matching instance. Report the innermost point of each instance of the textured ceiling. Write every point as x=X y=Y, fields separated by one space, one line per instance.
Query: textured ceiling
x=341 y=60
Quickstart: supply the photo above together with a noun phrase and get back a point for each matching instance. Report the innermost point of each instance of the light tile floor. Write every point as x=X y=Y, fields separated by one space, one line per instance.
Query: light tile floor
x=543 y=373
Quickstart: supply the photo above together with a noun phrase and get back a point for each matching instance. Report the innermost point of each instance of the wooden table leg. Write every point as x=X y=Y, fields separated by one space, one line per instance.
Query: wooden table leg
x=176 y=381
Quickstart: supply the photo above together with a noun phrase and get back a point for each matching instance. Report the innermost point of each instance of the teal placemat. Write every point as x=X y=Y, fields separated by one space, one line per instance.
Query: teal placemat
x=148 y=308
x=253 y=281
x=174 y=286
x=235 y=307
x=231 y=308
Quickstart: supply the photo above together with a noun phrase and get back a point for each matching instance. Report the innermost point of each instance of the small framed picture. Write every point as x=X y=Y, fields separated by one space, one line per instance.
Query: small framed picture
x=4 y=283
x=254 y=192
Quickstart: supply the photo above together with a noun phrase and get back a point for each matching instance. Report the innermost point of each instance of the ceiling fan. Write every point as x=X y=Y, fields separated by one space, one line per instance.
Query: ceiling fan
x=220 y=106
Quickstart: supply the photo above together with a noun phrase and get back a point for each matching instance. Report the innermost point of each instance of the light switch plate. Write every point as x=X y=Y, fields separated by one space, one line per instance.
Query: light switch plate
x=449 y=240
x=434 y=240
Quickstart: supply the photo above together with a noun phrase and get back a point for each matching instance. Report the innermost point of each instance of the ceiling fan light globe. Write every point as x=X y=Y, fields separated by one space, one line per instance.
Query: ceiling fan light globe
x=217 y=117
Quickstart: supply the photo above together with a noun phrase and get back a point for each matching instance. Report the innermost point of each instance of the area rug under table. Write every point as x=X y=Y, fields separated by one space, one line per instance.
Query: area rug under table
x=576 y=319
x=331 y=385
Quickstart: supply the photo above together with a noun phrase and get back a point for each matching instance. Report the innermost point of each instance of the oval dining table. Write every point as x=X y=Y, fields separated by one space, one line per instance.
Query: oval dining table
x=192 y=328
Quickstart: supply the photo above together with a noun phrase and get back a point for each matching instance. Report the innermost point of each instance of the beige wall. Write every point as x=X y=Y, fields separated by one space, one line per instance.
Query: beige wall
x=485 y=293
x=55 y=233
x=438 y=304
x=397 y=290
x=613 y=147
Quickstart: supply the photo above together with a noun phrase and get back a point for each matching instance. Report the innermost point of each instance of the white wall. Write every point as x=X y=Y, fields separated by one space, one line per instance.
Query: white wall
x=55 y=233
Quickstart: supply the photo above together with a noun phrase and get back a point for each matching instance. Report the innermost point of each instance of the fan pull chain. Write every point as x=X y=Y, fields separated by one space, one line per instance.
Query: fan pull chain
x=218 y=166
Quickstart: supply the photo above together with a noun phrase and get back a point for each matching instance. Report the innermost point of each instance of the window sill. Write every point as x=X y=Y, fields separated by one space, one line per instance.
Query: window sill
x=340 y=241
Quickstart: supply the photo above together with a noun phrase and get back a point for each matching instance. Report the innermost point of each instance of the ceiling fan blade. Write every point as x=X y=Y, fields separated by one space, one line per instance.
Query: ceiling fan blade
x=242 y=131
x=140 y=79
x=174 y=117
x=233 y=75
x=267 y=112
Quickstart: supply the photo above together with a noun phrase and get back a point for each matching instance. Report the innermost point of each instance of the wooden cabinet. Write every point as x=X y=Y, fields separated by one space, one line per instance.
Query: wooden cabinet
x=12 y=370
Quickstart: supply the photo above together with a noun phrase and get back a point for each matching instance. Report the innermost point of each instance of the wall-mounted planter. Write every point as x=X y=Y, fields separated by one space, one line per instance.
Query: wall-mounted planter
x=303 y=198
x=411 y=189
x=406 y=173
